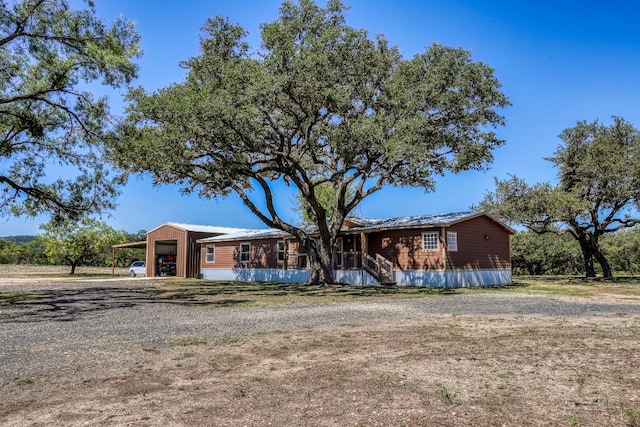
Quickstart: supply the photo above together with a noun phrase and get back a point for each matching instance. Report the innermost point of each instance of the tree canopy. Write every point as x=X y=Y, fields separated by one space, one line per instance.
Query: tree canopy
x=598 y=189
x=319 y=104
x=49 y=54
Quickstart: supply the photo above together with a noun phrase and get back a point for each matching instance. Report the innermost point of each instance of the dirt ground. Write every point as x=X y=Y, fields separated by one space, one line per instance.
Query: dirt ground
x=446 y=370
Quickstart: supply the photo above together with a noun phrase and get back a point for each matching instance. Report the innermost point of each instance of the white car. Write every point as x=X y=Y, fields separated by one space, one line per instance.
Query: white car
x=138 y=268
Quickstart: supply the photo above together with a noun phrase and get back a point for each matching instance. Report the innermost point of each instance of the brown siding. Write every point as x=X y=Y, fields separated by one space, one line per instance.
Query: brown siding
x=192 y=257
x=475 y=250
x=404 y=249
x=226 y=254
x=482 y=244
x=187 y=249
x=161 y=234
x=263 y=254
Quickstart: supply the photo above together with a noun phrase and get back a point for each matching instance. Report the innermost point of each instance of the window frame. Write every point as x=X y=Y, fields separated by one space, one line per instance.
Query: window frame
x=452 y=237
x=245 y=254
x=427 y=244
x=339 y=253
x=212 y=253
x=281 y=251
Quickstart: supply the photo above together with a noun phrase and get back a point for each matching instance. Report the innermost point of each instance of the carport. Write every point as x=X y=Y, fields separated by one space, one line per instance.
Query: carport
x=131 y=245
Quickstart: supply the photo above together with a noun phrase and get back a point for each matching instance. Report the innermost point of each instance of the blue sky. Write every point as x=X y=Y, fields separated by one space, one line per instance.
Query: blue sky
x=559 y=62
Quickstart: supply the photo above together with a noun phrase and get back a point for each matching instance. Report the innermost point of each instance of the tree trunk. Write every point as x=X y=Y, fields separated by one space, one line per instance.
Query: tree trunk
x=320 y=263
x=73 y=268
x=602 y=260
x=587 y=253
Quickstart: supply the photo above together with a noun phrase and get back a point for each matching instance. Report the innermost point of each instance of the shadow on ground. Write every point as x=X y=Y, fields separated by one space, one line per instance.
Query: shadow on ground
x=69 y=304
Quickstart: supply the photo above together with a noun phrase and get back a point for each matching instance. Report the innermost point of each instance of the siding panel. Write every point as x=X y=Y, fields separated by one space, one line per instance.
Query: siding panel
x=404 y=249
x=482 y=244
x=264 y=254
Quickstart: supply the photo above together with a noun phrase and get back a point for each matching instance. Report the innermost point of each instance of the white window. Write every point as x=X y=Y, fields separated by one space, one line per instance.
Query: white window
x=339 y=251
x=452 y=240
x=245 y=252
x=211 y=253
x=281 y=251
x=430 y=241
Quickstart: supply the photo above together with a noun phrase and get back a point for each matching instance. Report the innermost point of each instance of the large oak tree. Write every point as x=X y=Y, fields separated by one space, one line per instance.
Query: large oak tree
x=318 y=104
x=49 y=122
x=598 y=189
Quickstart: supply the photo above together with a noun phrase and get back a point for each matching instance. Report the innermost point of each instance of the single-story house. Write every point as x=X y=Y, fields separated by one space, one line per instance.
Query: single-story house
x=447 y=250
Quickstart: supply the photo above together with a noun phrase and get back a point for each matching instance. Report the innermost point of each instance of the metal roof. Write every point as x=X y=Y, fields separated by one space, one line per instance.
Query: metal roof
x=213 y=229
x=412 y=221
x=248 y=235
x=432 y=220
x=361 y=224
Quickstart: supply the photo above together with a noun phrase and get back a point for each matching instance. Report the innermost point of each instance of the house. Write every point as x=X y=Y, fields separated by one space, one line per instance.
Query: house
x=448 y=250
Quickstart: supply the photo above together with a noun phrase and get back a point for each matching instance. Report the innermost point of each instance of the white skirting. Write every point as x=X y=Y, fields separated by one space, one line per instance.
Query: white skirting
x=257 y=274
x=445 y=279
x=453 y=278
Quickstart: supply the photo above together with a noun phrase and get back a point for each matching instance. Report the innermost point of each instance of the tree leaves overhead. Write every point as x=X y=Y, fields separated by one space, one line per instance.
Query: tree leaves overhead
x=318 y=103
x=48 y=54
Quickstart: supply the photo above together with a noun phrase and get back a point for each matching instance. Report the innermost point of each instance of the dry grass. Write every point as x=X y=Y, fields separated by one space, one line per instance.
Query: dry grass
x=22 y=271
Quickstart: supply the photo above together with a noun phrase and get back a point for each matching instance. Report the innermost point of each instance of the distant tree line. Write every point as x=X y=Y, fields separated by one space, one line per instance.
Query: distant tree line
x=85 y=242
x=557 y=254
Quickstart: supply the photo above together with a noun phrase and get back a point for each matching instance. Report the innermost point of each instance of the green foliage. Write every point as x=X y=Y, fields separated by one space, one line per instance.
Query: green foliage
x=48 y=54
x=33 y=251
x=326 y=197
x=598 y=191
x=125 y=256
x=322 y=108
x=623 y=250
x=30 y=252
x=551 y=253
x=77 y=242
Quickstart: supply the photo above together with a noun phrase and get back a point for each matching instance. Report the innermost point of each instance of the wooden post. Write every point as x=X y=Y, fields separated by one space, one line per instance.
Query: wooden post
x=286 y=255
x=443 y=239
x=364 y=247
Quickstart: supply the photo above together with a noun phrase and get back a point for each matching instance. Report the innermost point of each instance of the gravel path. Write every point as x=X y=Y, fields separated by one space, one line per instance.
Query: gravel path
x=87 y=318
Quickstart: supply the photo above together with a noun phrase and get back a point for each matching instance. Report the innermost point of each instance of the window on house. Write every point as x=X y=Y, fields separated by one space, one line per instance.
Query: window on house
x=339 y=251
x=245 y=252
x=302 y=261
x=281 y=251
x=452 y=241
x=211 y=253
x=430 y=241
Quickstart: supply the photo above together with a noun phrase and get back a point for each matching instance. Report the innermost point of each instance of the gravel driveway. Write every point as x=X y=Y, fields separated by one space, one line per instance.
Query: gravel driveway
x=85 y=318
x=132 y=353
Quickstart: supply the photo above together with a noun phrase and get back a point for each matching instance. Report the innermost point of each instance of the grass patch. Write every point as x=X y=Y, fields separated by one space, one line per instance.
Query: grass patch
x=571 y=286
x=444 y=393
x=14 y=297
x=186 y=341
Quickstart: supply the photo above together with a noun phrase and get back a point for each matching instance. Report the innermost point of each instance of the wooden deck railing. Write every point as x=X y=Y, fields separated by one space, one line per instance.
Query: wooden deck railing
x=380 y=268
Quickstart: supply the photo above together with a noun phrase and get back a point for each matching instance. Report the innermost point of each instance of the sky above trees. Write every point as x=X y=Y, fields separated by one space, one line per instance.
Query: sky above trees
x=559 y=62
